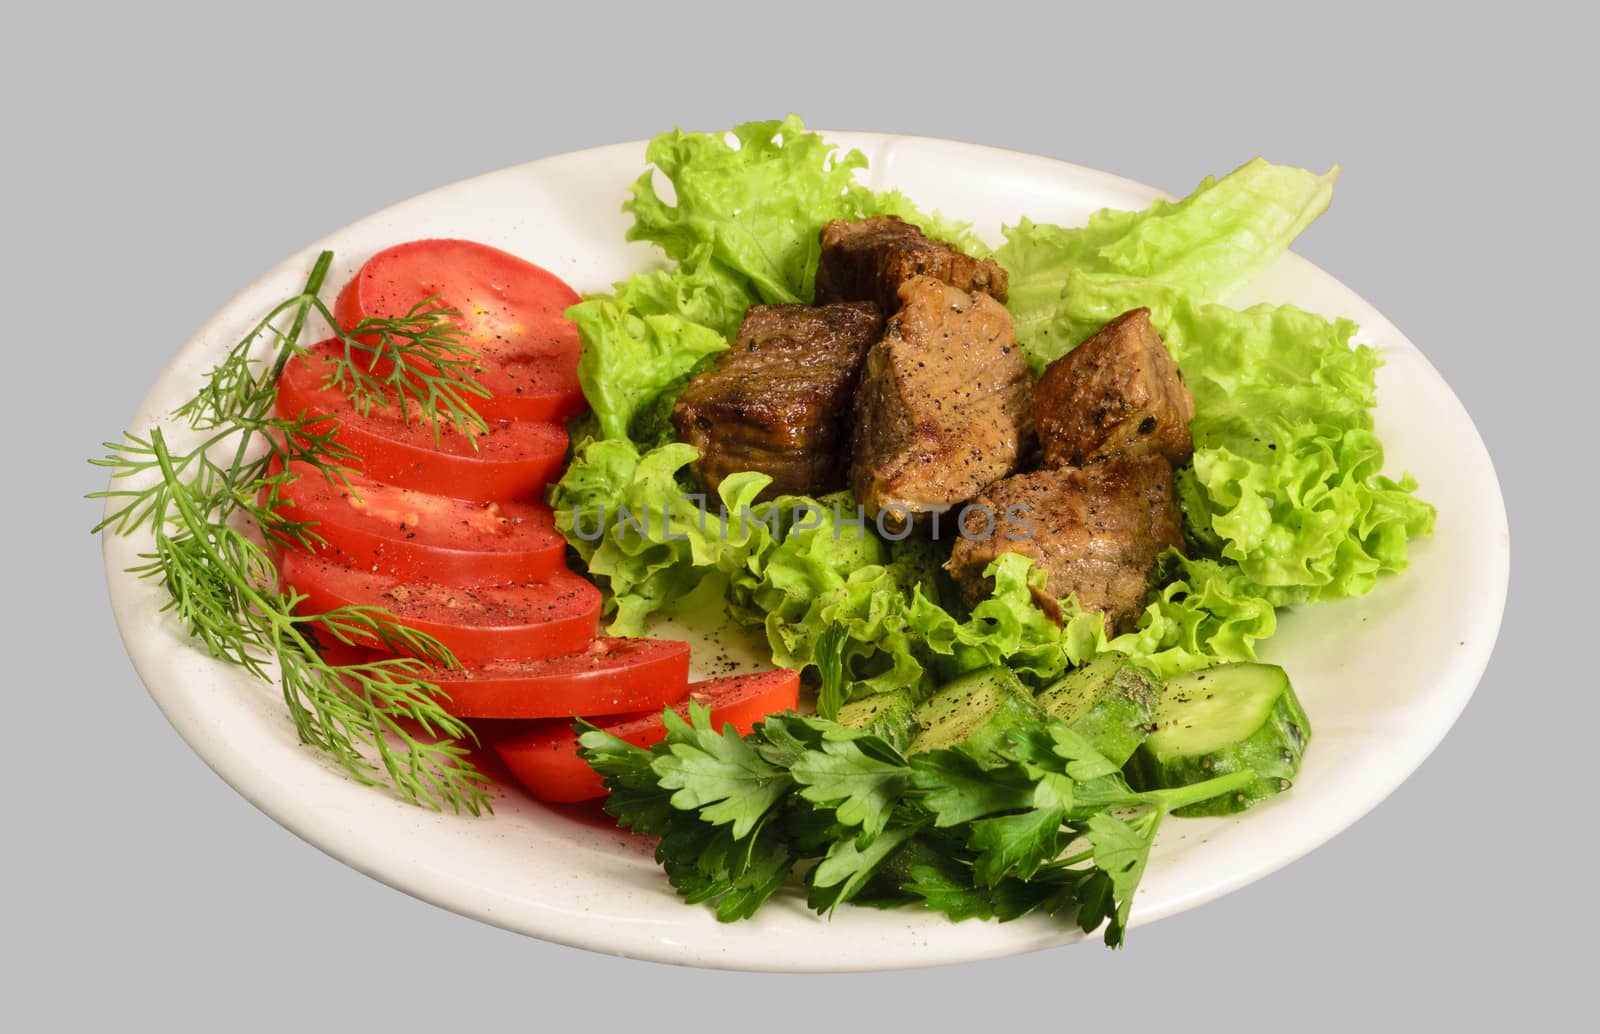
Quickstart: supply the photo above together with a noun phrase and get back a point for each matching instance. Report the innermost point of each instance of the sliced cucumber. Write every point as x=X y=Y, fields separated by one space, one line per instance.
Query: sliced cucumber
x=1225 y=719
x=889 y=715
x=976 y=710
x=1108 y=702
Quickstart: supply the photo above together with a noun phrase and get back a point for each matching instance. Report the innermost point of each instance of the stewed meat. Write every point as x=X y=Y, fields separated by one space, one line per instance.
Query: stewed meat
x=779 y=400
x=1096 y=531
x=870 y=259
x=1118 y=392
x=943 y=407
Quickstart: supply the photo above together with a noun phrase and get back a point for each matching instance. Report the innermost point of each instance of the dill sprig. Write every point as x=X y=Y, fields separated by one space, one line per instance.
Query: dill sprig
x=418 y=359
x=379 y=720
x=417 y=363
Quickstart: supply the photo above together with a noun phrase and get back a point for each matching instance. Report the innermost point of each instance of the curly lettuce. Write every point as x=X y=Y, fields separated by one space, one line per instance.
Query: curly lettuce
x=758 y=196
x=742 y=229
x=643 y=342
x=797 y=567
x=1209 y=245
x=1286 y=501
x=629 y=518
x=1287 y=479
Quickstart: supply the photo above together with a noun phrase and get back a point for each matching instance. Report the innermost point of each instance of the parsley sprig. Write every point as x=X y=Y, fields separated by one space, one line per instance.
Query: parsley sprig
x=1042 y=823
x=206 y=507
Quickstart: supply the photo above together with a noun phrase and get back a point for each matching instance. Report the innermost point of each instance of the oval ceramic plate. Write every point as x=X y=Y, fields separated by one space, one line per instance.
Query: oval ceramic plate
x=1383 y=677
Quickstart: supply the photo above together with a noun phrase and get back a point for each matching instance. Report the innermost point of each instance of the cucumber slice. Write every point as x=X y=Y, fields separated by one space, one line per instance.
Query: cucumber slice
x=889 y=715
x=1221 y=720
x=1108 y=702
x=976 y=710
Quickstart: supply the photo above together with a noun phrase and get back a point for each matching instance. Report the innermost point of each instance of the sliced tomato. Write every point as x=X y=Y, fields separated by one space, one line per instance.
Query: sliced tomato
x=511 y=312
x=419 y=536
x=544 y=755
x=610 y=676
x=480 y=624
x=512 y=460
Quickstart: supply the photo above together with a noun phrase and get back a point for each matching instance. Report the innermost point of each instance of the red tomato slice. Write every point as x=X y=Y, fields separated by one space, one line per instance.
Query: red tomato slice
x=512 y=314
x=514 y=460
x=418 y=536
x=544 y=755
x=480 y=625
x=610 y=676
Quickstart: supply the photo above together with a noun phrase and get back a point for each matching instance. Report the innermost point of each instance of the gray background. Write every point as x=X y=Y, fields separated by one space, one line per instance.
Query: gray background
x=157 y=161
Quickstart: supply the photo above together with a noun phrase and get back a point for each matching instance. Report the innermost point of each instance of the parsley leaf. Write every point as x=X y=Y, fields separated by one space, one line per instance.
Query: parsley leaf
x=1026 y=827
x=950 y=890
x=847 y=867
x=861 y=789
x=1053 y=747
x=637 y=800
x=1069 y=772
x=957 y=789
x=1014 y=898
x=1015 y=845
x=1121 y=852
x=720 y=774
x=706 y=864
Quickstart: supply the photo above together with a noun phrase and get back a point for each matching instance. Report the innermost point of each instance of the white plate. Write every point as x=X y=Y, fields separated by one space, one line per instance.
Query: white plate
x=1383 y=677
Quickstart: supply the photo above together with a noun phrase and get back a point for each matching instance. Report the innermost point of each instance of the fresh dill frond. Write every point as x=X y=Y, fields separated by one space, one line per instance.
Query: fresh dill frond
x=416 y=361
x=379 y=720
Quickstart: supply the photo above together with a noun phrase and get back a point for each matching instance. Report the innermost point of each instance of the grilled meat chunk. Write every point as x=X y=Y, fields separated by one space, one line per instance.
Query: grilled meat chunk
x=1096 y=531
x=1118 y=392
x=871 y=258
x=779 y=400
x=943 y=405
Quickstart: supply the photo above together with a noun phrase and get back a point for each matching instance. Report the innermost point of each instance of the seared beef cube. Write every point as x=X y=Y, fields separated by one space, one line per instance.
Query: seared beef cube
x=1117 y=392
x=871 y=258
x=1096 y=531
x=943 y=405
x=779 y=399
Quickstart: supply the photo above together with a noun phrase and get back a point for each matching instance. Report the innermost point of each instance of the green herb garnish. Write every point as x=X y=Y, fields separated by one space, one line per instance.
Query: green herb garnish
x=380 y=720
x=1044 y=824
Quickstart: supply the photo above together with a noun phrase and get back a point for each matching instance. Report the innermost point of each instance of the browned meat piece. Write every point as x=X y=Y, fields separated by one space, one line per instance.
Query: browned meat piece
x=779 y=400
x=943 y=405
x=871 y=258
x=1095 y=530
x=1118 y=392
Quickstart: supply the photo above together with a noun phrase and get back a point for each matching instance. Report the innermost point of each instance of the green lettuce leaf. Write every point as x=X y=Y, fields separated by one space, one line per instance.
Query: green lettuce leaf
x=743 y=229
x=1209 y=245
x=1007 y=628
x=643 y=535
x=630 y=362
x=827 y=569
x=797 y=567
x=757 y=197
x=757 y=201
x=1204 y=613
x=1285 y=503
x=818 y=544
x=699 y=290
x=1287 y=478
x=1223 y=235
x=643 y=343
